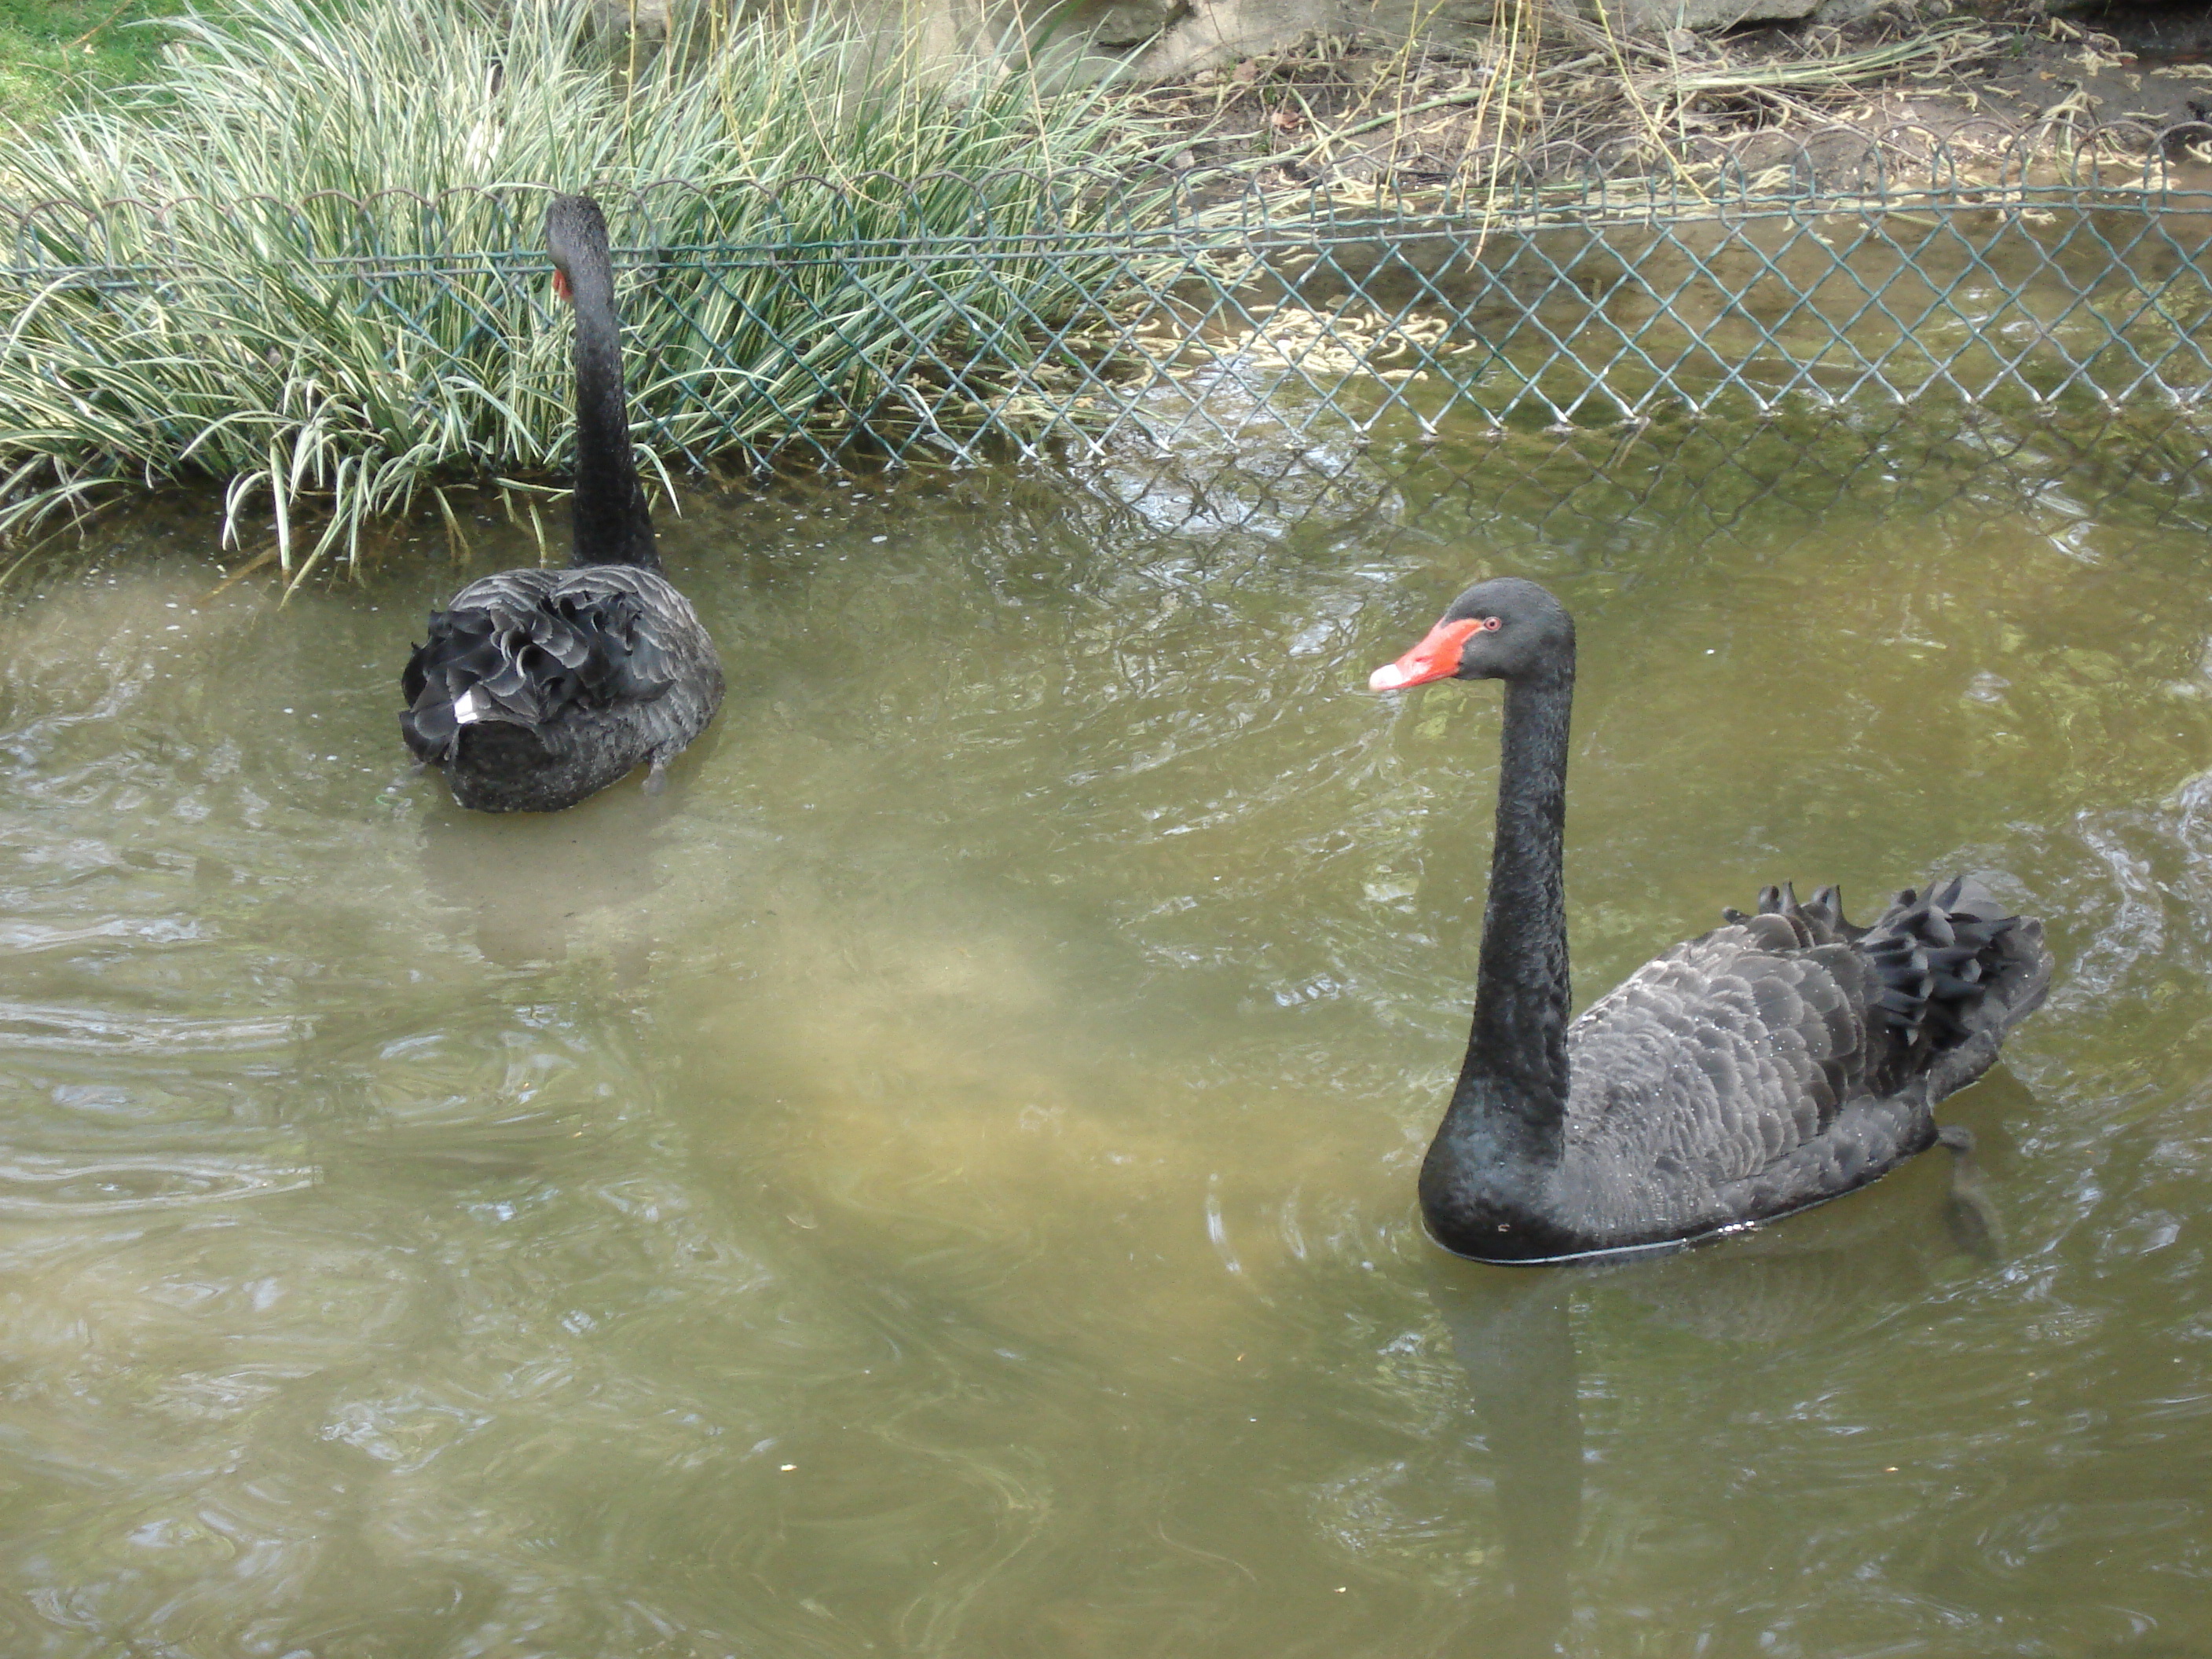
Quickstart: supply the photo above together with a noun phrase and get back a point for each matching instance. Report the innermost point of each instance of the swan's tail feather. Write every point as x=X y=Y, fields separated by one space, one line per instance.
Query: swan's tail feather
x=1953 y=972
x=1952 y=965
x=527 y=664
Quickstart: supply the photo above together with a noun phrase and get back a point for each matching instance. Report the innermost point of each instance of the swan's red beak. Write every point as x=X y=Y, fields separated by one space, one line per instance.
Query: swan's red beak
x=1436 y=658
x=561 y=285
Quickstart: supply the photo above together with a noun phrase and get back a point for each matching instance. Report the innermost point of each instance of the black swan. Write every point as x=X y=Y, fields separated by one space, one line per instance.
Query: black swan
x=1778 y=1061
x=538 y=687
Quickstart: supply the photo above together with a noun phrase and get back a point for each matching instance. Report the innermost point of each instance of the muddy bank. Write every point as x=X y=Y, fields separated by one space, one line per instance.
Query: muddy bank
x=1569 y=96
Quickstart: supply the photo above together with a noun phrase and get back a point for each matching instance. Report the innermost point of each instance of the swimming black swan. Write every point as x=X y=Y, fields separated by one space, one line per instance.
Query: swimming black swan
x=1779 y=1060
x=538 y=687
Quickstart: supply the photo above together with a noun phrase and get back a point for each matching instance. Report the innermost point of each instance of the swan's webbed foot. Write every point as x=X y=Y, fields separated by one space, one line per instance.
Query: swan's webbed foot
x=1973 y=1218
x=656 y=775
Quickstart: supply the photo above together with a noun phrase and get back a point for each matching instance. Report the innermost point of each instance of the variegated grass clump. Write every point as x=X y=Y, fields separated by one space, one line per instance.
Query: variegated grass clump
x=308 y=262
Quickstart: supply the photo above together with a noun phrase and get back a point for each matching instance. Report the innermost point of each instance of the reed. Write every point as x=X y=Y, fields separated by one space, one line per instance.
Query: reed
x=306 y=260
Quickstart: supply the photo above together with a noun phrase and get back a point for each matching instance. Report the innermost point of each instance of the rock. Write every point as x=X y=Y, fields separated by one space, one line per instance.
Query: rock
x=1464 y=22
x=615 y=18
x=1219 y=34
x=1126 y=23
x=1081 y=41
x=1656 y=16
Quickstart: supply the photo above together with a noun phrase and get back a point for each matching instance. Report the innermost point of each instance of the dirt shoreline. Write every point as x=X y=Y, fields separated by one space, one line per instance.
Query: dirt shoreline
x=1575 y=98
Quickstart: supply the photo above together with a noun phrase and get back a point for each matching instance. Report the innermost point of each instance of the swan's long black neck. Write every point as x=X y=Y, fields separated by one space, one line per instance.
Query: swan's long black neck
x=1512 y=1095
x=613 y=525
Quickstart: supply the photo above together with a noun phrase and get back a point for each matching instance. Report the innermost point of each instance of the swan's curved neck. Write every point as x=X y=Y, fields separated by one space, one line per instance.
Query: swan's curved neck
x=1512 y=1093
x=613 y=525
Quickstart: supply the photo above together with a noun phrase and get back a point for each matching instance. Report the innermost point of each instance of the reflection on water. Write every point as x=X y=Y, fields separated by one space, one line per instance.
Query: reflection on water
x=939 y=1178
x=1512 y=1333
x=521 y=891
x=1515 y=1343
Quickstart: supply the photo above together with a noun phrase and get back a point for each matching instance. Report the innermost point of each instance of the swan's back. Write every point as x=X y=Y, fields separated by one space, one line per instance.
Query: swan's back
x=1785 y=1058
x=538 y=688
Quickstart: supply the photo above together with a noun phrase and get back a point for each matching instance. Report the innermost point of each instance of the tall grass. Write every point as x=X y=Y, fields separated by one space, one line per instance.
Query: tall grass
x=308 y=260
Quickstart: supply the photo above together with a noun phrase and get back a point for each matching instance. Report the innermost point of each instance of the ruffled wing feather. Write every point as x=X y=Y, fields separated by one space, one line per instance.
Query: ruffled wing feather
x=534 y=648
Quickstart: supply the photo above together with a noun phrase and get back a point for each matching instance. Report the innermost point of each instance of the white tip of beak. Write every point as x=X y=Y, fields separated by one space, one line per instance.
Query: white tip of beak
x=1389 y=678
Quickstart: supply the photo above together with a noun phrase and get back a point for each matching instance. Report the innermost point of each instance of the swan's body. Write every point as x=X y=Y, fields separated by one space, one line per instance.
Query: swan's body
x=1780 y=1060
x=538 y=687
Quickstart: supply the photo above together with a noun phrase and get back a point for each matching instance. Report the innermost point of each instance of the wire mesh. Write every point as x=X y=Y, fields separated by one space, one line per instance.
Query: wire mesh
x=974 y=318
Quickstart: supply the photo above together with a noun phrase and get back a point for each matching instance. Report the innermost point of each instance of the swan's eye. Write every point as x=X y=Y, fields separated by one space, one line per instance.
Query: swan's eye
x=1488 y=624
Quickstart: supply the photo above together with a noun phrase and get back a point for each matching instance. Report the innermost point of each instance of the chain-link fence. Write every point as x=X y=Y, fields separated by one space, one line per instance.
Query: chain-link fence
x=1094 y=313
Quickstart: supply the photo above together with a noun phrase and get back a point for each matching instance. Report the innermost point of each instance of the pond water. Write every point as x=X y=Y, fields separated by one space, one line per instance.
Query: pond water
x=939 y=1179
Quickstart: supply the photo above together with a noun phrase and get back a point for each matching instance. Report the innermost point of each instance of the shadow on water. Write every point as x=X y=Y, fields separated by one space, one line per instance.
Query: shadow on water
x=1814 y=1281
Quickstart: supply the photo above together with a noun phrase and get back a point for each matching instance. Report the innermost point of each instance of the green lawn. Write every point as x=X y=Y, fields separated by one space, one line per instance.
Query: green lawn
x=46 y=59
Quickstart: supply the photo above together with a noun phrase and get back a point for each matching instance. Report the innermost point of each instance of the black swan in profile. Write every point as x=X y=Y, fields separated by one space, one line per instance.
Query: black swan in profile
x=538 y=687
x=1779 y=1060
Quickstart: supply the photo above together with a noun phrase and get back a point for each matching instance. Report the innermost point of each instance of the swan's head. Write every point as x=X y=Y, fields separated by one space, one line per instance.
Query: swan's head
x=1506 y=629
x=576 y=237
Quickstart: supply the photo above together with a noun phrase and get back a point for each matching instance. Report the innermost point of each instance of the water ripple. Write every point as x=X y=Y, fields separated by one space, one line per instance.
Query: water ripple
x=33 y=1185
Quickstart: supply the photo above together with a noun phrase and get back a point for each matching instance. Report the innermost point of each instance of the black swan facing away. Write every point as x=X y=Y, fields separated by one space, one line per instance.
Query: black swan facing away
x=538 y=687
x=1783 y=1059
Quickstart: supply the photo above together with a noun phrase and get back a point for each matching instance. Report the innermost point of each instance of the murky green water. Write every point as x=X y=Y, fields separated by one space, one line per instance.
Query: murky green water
x=938 y=1180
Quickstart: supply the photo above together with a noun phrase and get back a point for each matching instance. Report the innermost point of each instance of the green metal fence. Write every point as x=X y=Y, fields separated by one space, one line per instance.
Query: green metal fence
x=1082 y=314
